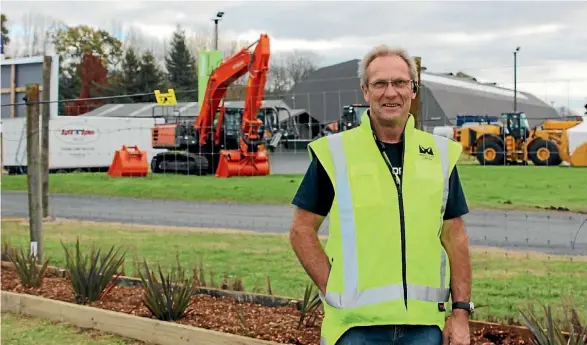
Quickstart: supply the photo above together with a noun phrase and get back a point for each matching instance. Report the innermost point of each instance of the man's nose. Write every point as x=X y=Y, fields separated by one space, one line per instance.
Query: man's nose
x=390 y=91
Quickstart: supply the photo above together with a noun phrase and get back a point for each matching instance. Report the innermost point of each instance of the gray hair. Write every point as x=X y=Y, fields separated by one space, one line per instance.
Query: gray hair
x=384 y=50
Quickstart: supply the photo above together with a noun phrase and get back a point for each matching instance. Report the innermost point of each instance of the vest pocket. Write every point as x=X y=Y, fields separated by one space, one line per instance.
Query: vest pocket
x=333 y=299
x=364 y=185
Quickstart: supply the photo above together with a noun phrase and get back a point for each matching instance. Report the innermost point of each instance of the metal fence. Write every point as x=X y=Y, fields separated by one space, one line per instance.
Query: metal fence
x=528 y=234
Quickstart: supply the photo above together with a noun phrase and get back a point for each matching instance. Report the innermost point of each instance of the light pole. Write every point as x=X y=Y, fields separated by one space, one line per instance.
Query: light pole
x=216 y=20
x=516 y=79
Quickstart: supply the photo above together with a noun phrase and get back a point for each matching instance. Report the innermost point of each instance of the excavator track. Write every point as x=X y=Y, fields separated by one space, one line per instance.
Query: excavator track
x=181 y=163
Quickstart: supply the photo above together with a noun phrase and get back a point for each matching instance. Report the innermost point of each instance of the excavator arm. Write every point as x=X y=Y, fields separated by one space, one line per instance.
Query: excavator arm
x=250 y=159
x=225 y=74
x=254 y=97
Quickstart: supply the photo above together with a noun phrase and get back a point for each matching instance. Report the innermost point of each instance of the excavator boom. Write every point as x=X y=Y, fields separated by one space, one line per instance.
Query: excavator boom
x=225 y=74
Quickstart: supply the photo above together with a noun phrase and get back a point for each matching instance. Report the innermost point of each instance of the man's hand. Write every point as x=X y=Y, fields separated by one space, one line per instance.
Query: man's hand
x=456 y=329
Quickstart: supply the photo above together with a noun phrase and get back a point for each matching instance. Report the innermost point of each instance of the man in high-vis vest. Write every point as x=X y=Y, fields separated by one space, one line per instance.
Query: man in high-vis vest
x=397 y=248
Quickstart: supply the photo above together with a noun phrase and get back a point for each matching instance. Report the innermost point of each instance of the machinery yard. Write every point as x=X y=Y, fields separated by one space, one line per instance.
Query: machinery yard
x=107 y=144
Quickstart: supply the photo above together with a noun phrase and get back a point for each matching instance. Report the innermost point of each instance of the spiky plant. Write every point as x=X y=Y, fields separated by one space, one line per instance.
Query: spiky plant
x=27 y=267
x=168 y=297
x=92 y=276
x=548 y=332
x=310 y=304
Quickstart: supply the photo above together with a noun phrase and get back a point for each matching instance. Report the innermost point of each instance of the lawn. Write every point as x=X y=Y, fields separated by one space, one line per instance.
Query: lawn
x=513 y=187
x=503 y=280
x=24 y=330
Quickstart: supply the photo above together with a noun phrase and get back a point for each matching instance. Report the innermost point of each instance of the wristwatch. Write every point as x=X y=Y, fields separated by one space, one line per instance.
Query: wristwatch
x=468 y=306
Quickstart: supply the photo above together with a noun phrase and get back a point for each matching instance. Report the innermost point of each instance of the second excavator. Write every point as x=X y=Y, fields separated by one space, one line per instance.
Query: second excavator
x=200 y=148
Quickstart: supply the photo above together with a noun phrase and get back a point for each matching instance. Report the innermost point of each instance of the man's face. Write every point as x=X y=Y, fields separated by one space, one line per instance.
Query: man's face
x=389 y=89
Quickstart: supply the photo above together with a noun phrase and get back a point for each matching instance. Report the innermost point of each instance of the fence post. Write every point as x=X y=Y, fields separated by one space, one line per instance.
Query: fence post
x=45 y=133
x=415 y=108
x=34 y=171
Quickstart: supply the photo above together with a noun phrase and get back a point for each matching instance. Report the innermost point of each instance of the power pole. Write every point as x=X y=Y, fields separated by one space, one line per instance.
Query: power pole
x=415 y=107
x=45 y=133
x=516 y=79
x=34 y=175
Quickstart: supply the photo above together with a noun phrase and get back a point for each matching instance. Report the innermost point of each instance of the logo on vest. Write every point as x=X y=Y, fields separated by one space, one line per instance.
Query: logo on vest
x=426 y=152
x=396 y=171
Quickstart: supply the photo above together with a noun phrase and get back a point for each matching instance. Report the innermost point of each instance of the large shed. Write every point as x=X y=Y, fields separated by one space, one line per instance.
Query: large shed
x=443 y=97
x=293 y=120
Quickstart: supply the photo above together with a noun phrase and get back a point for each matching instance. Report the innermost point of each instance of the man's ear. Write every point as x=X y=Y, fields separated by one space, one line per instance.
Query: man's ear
x=365 y=93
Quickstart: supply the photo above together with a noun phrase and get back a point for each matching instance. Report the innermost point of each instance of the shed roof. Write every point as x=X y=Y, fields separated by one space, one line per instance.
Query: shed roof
x=185 y=109
x=443 y=96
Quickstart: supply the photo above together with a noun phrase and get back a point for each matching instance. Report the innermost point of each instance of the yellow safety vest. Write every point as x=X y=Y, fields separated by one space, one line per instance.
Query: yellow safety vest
x=388 y=265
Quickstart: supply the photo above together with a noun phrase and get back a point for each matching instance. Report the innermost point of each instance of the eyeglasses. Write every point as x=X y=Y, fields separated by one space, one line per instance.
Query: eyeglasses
x=398 y=84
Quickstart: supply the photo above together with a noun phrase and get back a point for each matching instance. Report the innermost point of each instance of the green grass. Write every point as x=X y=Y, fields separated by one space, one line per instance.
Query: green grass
x=522 y=187
x=504 y=280
x=513 y=187
x=23 y=330
x=275 y=189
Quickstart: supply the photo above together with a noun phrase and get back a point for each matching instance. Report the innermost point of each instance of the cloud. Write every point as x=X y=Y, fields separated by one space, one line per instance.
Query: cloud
x=477 y=37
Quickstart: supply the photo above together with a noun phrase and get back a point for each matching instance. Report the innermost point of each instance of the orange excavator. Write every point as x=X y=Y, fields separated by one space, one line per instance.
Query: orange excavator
x=201 y=149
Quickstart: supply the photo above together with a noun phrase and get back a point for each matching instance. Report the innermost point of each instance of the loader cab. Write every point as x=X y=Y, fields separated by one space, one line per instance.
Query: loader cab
x=516 y=125
x=351 y=116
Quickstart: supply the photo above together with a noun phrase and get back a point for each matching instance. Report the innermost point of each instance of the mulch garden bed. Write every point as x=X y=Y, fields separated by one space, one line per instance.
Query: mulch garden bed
x=277 y=324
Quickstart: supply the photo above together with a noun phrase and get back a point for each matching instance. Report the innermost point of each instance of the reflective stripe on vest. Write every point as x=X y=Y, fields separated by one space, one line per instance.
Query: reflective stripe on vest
x=352 y=298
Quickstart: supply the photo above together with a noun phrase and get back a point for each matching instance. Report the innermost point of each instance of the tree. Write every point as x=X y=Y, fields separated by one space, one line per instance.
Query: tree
x=5 y=32
x=181 y=67
x=94 y=83
x=287 y=69
x=128 y=83
x=300 y=64
x=71 y=43
x=150 y=77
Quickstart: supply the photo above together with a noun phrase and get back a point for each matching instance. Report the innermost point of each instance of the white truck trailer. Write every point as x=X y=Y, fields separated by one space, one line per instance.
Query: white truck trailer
x=78 y=143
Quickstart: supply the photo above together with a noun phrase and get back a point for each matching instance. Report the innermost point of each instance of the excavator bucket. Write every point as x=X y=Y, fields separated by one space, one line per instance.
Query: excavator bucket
x=129 y=163
x=234 y=163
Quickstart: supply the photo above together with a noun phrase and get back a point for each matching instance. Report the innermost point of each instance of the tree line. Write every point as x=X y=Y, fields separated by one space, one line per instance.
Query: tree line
x=135 y=63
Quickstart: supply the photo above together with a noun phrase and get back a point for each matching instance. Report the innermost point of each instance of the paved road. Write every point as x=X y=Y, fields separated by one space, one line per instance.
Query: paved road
x=290 y=162
x=550 y=232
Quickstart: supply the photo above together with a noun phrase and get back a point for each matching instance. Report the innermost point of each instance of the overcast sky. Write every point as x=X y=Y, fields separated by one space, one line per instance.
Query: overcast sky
x=477 y=38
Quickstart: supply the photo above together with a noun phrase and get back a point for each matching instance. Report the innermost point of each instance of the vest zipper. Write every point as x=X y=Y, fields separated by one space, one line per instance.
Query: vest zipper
x=400 y=198
x=398 y=185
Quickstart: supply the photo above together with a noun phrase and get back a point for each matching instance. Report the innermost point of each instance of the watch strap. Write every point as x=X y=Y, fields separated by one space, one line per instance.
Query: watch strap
x=462 y=305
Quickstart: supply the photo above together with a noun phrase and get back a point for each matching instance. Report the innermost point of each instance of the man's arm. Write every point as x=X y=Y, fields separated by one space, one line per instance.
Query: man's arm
x=313 y=201
x=455 y=240
x=304 y=240
x=456 y=243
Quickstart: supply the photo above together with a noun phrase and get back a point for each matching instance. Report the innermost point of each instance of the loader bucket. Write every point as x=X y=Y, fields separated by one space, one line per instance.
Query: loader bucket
x=579 y=156
x=234 y=163
x=129 y=163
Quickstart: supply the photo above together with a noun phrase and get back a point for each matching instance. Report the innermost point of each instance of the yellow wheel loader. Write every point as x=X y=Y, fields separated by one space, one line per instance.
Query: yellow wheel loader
x=513 y=142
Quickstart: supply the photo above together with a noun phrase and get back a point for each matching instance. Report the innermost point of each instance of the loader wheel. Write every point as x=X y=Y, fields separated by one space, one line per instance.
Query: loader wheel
x=544 y=152
x=490 y=152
